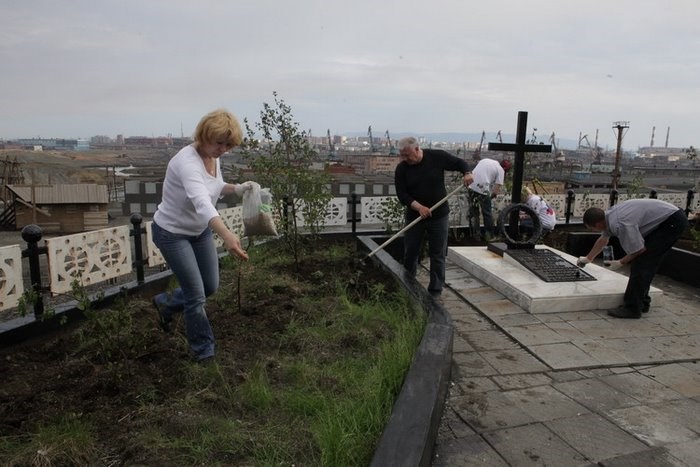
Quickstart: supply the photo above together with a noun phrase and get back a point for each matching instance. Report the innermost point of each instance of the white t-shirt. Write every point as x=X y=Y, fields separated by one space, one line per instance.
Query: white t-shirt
x=548 y=218
x=487 y=174
x=189 y=194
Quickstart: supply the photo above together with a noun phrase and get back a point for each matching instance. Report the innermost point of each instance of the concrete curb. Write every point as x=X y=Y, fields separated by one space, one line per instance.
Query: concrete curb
x=410 y=434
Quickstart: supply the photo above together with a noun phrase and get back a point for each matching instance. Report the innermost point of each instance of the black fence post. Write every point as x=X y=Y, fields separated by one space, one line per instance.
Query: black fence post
x=653 y=194
x=32 y=234
x=613 y=197
x=136 y=220
x=285 y=214
x=353 y=211
x=689 y=201
x=570 y=197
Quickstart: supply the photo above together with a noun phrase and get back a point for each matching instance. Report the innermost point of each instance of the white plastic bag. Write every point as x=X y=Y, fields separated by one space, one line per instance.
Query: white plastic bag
x=257 y=212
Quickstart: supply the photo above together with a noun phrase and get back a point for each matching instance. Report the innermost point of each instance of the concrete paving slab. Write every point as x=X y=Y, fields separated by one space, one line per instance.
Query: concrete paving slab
x=595 y=394
x=618 y=370
x=534 y=445
x=595 y=437
x=470 y=364
x=509 y=382
x=460 y=344
x=483 y=294
x=496 y=308
x=565 y=375
x=677 y=347
x=604 y=328
x=492 y=339
x=544 y=403
x=489 y=411
x=651 y=425
x=563 y=355
x=656 y=457
x=512 y=361
x=681 y=307
x=519 y=319
x=471 y=451
x=685 y=412
x=470 y=322
x=565 y=330
x=606 y=380
x=679 y=378
x=637 y=350
x=550 y=317
x=535 y=334
x=687 y=452
x=601 y=352
x=453 y=427
x=595 y=372
x=640 y=387
x=477 y=384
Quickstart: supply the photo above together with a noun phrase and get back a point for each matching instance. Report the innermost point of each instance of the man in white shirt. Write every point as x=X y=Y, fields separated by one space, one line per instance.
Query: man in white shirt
x=488 y=176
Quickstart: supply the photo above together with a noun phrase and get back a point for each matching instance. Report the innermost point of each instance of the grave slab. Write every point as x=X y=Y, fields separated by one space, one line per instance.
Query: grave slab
x=524 y=288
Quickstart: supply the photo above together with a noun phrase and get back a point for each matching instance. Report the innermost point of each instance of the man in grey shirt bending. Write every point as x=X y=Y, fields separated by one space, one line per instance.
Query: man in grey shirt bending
x=647 y=229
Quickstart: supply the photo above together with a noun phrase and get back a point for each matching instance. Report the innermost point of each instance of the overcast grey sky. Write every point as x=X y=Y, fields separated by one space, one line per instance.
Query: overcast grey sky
x=152 y=67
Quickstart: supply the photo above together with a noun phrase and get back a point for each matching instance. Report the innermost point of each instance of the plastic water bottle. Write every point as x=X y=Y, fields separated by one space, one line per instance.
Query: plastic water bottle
x=608 y=253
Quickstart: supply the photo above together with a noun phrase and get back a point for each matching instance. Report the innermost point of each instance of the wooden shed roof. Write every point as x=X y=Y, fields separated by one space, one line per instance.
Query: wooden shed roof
x=62 y=194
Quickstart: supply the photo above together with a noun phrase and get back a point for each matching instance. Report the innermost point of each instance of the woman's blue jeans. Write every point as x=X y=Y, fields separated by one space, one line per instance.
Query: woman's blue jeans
x=195 y=263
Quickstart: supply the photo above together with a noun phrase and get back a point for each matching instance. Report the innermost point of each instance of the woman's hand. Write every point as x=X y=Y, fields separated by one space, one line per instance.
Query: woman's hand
x=233 y=246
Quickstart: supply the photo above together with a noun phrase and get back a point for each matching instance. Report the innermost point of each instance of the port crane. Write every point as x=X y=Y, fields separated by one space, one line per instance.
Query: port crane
x=555 y=150
x=331 y=146
x=595 y=151
x=392 y=148
x=477 y=151
x=371 y=140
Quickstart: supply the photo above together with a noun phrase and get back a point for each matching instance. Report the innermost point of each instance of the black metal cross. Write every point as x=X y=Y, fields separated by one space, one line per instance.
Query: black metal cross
x=519 y=148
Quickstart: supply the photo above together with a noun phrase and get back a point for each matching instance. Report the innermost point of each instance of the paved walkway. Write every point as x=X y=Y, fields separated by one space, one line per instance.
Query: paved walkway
x=570 y=389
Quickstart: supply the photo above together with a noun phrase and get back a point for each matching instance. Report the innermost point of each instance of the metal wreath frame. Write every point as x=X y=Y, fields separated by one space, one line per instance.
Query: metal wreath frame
x=536 y=224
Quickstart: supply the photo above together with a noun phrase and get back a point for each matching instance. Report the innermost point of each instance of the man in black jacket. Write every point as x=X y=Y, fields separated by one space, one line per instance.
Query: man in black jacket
x=420 y=184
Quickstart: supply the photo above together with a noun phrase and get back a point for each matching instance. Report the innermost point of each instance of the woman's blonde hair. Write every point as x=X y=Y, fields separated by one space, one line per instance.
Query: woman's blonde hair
x=525 y=193
x=217 y=126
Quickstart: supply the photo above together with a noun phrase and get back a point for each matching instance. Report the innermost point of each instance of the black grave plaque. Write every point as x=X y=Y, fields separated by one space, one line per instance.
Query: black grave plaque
x=549 y=266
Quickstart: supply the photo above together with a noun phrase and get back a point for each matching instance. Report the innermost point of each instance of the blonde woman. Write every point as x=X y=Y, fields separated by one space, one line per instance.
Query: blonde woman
x=183 y=224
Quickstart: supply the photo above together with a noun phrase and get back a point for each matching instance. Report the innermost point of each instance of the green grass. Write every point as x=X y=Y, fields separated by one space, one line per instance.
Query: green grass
x=316 y=391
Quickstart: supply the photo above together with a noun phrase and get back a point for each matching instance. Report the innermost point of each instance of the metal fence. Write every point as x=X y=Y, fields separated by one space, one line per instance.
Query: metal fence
x=117 y=253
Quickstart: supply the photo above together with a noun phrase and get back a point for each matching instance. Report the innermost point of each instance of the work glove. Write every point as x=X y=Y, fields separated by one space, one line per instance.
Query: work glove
x=241 y=188
x=613 y=265
x=582 y=261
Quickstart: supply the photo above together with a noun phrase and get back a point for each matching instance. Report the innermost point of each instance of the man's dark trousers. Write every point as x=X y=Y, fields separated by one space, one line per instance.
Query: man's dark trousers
x=644 y=267
x=436 y=231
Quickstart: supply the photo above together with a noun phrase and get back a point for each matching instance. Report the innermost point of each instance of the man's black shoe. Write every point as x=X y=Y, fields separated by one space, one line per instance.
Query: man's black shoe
x=626 y=313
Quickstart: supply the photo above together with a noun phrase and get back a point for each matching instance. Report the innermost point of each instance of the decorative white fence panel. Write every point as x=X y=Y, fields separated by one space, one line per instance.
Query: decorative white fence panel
x=11 y=284
x=372 y=209
x=89 y=257
x=153 y=256
x=105 y=254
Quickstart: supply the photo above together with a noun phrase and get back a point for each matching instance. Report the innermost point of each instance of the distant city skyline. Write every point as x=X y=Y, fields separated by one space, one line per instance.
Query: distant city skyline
x=82 y=68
